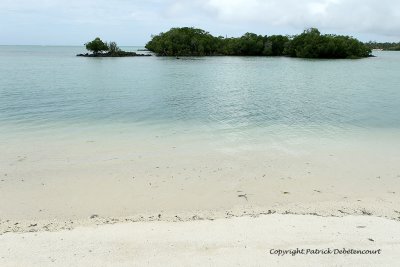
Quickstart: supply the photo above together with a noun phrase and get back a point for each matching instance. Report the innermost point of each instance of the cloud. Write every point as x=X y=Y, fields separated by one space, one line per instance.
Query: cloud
x=377 y=17
x=19 y=19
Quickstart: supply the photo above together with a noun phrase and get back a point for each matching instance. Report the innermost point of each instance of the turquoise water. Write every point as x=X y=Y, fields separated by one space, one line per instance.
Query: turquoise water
x=44 y=88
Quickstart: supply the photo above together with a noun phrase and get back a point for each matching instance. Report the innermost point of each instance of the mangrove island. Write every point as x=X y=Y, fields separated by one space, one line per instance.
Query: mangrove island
x=188 y=41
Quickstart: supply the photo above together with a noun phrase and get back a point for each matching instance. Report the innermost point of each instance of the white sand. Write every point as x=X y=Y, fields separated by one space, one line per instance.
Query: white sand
x=73 y=178
x=156 y=191
x=241 y=241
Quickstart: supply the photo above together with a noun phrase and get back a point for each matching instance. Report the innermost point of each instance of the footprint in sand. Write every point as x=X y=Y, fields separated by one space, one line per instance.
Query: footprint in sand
x=243 y=196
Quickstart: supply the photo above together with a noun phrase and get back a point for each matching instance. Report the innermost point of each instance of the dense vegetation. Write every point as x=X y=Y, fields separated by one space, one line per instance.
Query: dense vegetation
x=384 y=46
x=310 y=44
x=103 y=49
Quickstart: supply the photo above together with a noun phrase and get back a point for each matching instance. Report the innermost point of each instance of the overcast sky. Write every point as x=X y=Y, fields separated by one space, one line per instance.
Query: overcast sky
x=131 y=22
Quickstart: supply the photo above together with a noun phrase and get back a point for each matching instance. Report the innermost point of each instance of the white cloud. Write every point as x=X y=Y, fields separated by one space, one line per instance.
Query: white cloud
x=369 y=18
x=378 y=17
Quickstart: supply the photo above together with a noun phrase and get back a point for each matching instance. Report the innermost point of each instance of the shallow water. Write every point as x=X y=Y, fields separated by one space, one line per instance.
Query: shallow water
x=47 y=90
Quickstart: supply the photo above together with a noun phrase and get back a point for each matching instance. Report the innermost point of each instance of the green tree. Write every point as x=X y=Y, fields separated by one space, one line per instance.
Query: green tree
x=183 y=42
x=113 y=48
x=96 y=46
x=275 y=45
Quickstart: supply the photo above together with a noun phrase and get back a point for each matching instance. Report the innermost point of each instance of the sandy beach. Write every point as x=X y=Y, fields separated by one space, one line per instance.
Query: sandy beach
x=244 y=241
x=159 y=201
x=57 y=184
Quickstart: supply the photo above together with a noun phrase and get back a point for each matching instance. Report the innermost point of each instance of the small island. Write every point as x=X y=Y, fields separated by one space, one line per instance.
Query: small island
x=104 y=49
x=309 y=44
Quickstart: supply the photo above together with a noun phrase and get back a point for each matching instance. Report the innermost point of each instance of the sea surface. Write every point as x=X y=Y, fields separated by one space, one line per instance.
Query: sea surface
x=48 y=91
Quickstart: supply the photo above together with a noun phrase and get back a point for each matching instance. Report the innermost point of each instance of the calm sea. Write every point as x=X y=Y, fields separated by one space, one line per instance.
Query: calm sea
x=49 y=91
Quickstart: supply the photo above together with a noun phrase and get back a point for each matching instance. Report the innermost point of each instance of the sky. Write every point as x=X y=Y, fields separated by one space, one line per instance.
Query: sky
x=132 y=22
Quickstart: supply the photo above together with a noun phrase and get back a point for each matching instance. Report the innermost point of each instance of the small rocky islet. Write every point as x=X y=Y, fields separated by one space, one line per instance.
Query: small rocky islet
x=124 y=54
x=104 y=49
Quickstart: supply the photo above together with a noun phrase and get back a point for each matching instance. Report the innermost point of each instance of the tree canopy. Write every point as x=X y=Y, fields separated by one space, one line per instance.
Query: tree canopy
x=96 y=46
x=310 y=44
x=183 y=42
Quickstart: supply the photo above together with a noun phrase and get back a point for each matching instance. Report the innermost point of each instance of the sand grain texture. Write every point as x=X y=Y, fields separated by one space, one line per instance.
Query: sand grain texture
x=243 y=241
